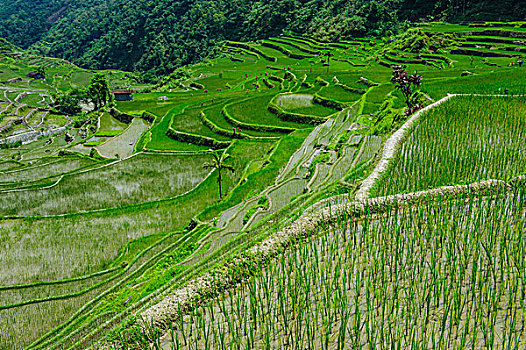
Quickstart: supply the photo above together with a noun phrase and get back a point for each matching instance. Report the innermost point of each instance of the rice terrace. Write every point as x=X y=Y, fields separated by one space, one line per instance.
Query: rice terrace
x=291 y=192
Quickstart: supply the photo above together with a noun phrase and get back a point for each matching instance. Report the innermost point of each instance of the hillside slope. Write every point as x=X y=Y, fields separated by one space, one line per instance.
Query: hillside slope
x=162 y=35
x=464 y=10
x=159 y=36
x=24 y=22
x=100 y=223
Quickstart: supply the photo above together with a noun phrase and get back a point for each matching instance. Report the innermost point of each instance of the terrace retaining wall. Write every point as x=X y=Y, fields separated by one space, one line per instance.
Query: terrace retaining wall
x=31 y=136
x=237 y=270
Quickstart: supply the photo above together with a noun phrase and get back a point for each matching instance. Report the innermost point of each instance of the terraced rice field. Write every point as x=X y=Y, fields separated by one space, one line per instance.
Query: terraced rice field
x=122 y=145
x=254 y=112
x=405 y=277
x=114 y=219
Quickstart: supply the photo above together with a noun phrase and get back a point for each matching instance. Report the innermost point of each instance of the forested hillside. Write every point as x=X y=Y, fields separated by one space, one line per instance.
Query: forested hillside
x=24 y=22
x=464 y=10
x=158 y=36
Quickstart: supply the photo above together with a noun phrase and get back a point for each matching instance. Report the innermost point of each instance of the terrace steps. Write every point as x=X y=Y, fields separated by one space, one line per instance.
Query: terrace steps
x=233 y=226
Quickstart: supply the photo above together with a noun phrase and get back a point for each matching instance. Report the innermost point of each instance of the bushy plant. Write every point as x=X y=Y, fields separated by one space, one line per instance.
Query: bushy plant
x=69 y=102
x=409 y=85
x=418 y=41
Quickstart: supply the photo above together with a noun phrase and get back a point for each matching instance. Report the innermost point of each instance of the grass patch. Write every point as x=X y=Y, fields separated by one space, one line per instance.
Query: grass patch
x=254 y=111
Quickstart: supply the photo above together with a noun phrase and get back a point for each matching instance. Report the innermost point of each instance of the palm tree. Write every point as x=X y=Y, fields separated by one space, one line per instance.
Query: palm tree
x=328 y=54
x=218 y=162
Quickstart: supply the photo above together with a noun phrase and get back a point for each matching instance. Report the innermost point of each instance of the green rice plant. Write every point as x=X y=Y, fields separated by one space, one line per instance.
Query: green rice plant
x=107 y=123
x=302 y=108
x=215 y=115
x=45 y=168
x=465 y=140
x=423 y=278
x=159 y=140
x=93 y=239
x=123 y=145
x=134 y=180
x=94 y=143
x=108 y=133
x=32 y=100
x=150 y=102
x=339 y=94
x=289 y=51
x=437 y=275
x=220 y=81
x=279 y=57
x=494 y=82
x=189 y=122
x=9 y=165
x=304 y=42
x=294 y=46
x=254 y=111
x=375 y=96
x=262 y=175
x=21 y=325
x=32 y=320
x=294 y=101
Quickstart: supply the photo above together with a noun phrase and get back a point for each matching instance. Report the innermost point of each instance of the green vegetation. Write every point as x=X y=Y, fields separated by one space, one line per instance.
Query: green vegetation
x=159 y=37
x=261 y=204
x=254 y=112
x=218 y=164
x=122 y=145
x=106 y=212
x=261 y=173
x=437 y=274
x=466 y=140
x=138 y=179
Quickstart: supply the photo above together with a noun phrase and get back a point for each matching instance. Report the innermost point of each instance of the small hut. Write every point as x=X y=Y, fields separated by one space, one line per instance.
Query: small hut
x=123 y=95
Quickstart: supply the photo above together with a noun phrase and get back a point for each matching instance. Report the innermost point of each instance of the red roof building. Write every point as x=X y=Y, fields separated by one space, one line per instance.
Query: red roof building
x=123 y=95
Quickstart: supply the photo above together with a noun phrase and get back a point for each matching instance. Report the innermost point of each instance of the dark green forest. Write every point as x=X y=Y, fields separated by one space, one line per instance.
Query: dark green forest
x=160 y=35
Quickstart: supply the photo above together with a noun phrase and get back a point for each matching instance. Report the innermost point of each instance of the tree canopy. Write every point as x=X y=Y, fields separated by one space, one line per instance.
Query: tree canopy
x=159 y=36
